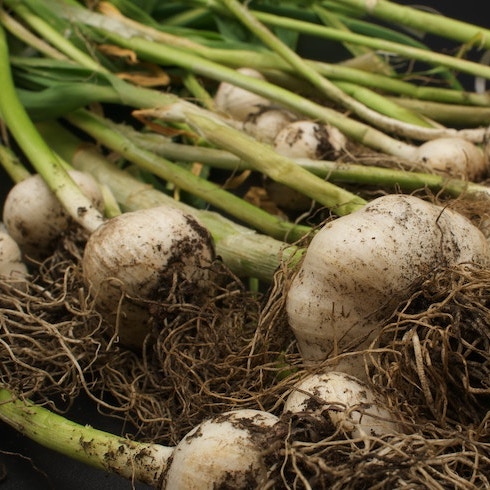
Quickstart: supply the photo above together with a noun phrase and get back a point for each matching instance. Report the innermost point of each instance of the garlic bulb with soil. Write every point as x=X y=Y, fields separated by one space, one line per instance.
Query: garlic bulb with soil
x=455 y=157
x=237 y=102
x=309 y=139
x=35 y=218
x=226 y=451
x=12 y=268
x=142 y=255
x=266 y=124
x=351 y=405
x=359 y=267
x=303 y=139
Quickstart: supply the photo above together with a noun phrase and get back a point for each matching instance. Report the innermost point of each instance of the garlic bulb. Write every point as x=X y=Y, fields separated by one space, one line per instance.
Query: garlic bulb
x=302 y=139
x=351 y=404
x=223 y=452
x=139 y=253
x=308 y=139
x=12 y=269
x=266 y=124
x=486 y=152
x=455 y=157
x=359 y=266
x=237 y=102
x=35 y=218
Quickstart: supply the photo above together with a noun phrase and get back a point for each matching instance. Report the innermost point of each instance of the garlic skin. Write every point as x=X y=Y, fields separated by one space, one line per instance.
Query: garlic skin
x=237 y=102
x=359 y=266
x=351 y=404
x=308 y=139
x=223 y=452
x=35 y=218
x=12 y=268
x=455 y=157
x=137 y=253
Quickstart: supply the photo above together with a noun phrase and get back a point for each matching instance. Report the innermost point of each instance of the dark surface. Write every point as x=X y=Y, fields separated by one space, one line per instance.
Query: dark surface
x=24 y=465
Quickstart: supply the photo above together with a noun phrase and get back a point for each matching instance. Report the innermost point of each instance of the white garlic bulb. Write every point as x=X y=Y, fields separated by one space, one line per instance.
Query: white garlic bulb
x=12 y=268
x=237 y=102
x=309 y=139
x=266 y=124
x=223 y=452
x=136 y=254
x=455 y=157
x=351 y=404
x=359 y=266
x=35 y=218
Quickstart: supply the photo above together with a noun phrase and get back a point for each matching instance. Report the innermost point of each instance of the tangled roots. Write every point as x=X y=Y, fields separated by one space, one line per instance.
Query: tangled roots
x=431 y=458
x=234 y=350
x=437 y=347
x=51 y=339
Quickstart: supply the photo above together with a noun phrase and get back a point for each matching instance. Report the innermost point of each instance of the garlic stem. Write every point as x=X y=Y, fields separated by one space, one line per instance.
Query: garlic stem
x=183 y=179
x=340 y=172
x=460 y=115
x=269 y=60
x=246 y=252
x=21 y=32
x=262 y=157
x=420 y=19
x=12 y=165
x=53 y=36
x=38 y=152
x=356 y=130
x=325 y=86
x=130 y=459
x=410 y=52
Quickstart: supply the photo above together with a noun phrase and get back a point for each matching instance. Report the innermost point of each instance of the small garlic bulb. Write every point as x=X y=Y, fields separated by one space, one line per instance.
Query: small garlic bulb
x=12 y=268
x=138 y=254
x=35 y=218
x=237 y=102
x=223 y=452
x=455 y=157
x=308 y=139
x=351 y=404
x=303 y=139
x=266 y=124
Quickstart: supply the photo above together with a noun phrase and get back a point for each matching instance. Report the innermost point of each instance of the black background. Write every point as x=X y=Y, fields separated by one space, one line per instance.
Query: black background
x=24 y=465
